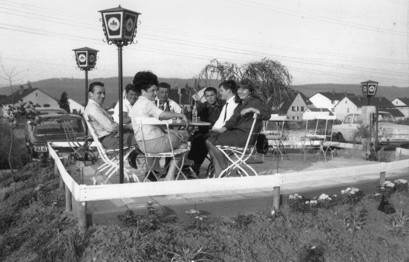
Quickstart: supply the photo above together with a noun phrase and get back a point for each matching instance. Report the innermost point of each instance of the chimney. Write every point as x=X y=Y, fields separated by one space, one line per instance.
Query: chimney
x=21 y=90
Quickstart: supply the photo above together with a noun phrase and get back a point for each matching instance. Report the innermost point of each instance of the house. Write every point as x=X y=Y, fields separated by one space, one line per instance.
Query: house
x=402 y=104
x=327 y=100
x=75 y=107
x=295 y=108
x=353 y=104
x=34 y=95
x=313 y=113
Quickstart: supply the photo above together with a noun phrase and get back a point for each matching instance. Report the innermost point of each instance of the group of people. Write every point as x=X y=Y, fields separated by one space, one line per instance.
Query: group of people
x=230 y=117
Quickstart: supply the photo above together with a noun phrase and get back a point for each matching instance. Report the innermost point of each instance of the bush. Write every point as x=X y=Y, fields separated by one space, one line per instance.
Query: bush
x=19 y=154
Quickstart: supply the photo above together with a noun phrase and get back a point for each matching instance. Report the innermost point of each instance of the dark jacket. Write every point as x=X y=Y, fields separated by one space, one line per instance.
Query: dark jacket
x=209 y=113
x=243 y=123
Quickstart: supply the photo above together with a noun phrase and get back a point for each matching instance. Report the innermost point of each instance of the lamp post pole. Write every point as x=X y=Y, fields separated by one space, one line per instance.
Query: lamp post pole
x=86 y=87
x=119 y=27
x=121 y=119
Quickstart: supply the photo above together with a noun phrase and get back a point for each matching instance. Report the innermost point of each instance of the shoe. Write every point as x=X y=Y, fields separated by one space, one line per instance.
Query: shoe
x=151 y=177
x=132 y=159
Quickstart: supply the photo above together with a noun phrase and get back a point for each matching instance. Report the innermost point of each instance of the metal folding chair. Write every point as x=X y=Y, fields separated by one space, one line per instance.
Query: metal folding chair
x=238 y=156
x=78 y=141
x=110 y=158
x=151 y=159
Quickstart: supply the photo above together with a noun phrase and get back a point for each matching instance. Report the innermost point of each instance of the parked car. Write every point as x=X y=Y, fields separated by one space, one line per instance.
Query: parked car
x=50 y=128
x=388 y=130
x=50 y=110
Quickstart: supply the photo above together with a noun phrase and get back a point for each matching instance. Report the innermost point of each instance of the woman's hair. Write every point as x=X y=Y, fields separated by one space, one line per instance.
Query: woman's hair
x=249 y=85
x=144 y=80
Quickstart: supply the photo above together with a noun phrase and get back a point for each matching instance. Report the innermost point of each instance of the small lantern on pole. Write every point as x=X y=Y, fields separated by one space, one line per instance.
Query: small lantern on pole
x=119 y=25
x=86 y=59
x=369 y=89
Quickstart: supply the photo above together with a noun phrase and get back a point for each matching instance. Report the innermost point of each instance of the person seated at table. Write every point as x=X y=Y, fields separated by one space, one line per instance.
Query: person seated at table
x=208 y=111
x=236 y=130
x=130 y=97
x=153 y=139
x=228 y=92
x=104 y=125
x=163 y=101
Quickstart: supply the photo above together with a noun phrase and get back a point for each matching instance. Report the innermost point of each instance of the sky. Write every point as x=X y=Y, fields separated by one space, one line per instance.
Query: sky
x=319 y=41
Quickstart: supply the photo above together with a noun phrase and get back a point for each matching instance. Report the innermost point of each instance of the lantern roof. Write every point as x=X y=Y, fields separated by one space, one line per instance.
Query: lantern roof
x=370 y=81
x=118 y=9
x=85 y=49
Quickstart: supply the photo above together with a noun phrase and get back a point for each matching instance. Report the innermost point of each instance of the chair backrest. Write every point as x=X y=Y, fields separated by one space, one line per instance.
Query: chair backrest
x=154 y=122
x=101 y=150
x=251 y=131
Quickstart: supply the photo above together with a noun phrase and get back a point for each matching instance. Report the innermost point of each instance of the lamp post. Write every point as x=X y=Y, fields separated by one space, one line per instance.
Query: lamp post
x=86 y=59
x=119 y=26
x=369 y=89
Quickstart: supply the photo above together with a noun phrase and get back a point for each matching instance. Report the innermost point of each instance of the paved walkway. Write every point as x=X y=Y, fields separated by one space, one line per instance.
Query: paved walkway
x=233 y=202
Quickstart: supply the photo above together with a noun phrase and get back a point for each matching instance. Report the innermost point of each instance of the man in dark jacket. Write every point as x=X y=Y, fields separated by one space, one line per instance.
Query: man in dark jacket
x=208 y=112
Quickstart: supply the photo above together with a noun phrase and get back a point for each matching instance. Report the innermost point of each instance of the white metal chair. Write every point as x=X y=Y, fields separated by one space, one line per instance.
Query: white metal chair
x=110 y=157
x=151 y=159
x=238 y=156
x=315 y=141
x=276 y=137
x=77 y=140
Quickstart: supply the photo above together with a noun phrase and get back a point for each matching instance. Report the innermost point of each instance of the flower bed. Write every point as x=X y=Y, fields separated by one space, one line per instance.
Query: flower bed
x=349 y=226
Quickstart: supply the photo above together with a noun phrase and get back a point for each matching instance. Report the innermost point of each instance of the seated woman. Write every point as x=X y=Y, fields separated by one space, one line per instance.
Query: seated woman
x=153 y=139
x=236 y=130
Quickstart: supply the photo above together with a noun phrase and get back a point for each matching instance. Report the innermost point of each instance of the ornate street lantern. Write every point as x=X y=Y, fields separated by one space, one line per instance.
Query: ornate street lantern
x=119 y=25
x=369 y=89
x=86 y=60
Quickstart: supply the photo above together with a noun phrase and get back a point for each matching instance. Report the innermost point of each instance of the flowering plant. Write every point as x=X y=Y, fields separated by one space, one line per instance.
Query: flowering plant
x=401 y=185
x=351 y=195
x=387 y=188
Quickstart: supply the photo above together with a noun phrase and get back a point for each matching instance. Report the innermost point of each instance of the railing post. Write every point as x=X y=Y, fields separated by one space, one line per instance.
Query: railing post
x=82 y=216
x=68 y=200
x=276 y=197
x=57 y=173
x=382 y=178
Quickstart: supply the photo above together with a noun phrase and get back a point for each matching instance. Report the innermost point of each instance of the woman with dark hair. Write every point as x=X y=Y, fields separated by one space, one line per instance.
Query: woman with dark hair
x=236 y=130
x=153 y=139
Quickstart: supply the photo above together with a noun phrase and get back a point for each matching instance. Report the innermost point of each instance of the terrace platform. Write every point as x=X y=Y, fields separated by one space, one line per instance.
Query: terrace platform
x=313 y=176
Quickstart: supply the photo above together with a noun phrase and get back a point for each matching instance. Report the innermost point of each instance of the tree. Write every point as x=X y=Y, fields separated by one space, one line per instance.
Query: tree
x=63 y=103
x=271 y=78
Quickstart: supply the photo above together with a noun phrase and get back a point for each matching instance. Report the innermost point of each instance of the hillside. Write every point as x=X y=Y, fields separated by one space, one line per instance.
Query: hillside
x=75 y=88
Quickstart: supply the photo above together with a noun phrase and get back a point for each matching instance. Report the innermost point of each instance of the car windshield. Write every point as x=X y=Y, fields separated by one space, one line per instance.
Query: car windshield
x=385 y=117
x=54 y=126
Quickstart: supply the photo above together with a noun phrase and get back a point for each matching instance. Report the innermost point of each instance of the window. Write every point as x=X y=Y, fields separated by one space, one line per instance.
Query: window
x=293 y=108
x=302 y=109
x=46 y=105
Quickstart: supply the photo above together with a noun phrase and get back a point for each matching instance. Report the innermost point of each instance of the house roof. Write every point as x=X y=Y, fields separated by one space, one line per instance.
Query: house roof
x=335 y=96
x=286 y=105
x=377 y=101
x=395 y=112
x=16 y=96
x=405 y=100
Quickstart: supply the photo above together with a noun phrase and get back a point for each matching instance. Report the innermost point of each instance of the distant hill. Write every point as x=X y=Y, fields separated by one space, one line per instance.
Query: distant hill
x=75 y=88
